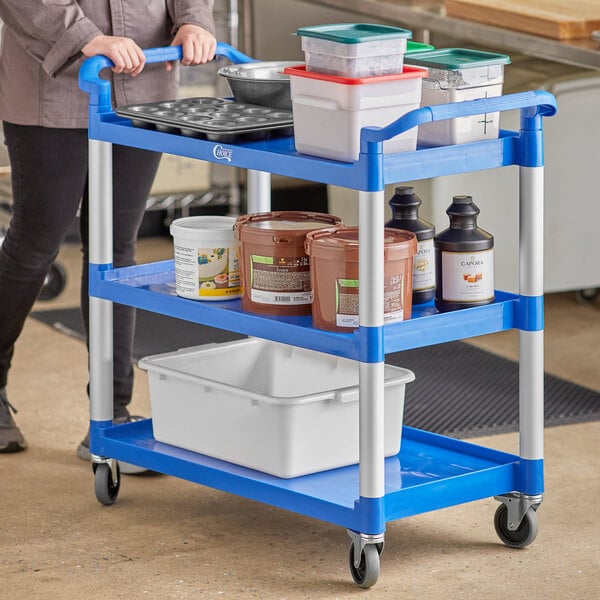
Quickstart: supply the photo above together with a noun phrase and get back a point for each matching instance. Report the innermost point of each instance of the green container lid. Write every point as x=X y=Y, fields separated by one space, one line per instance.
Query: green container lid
x=353 y=33
x=456 y=59
x=412 y=47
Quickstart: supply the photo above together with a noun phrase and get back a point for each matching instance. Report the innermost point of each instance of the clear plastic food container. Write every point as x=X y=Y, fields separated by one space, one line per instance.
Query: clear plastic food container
x=354 y=49
x=456 y=75
x=460 y=68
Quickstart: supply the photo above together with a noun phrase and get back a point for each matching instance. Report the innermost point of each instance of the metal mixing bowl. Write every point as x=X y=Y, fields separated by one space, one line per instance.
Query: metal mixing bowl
x=260 y=82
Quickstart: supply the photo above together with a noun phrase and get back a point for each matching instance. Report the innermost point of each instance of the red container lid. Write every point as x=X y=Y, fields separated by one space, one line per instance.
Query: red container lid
x=408 y=72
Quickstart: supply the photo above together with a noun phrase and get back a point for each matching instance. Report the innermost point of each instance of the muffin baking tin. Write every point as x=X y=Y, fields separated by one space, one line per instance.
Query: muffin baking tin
x=214 y=119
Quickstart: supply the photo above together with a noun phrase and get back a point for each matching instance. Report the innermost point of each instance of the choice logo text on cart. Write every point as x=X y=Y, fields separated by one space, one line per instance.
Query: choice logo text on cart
x=222 y=153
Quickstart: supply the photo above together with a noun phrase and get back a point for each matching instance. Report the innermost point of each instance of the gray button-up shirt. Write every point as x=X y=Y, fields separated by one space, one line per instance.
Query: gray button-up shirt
x=41 y=53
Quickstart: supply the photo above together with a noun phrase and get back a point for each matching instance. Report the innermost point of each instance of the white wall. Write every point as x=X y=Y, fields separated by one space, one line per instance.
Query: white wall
x=275 y=22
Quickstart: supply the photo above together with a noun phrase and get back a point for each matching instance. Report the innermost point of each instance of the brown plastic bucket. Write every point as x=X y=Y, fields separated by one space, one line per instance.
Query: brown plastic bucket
x=334 y=274
x=274 y=267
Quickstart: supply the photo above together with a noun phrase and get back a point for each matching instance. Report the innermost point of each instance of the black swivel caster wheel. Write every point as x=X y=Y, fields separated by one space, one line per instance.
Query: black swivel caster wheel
x=367 y=573
x=106 y=483
x=520 y=537
x=586 y=296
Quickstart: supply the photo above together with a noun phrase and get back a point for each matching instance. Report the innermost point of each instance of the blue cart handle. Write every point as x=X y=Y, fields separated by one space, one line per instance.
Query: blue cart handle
x=99 y=89
x=154 y=55
x=533 y=105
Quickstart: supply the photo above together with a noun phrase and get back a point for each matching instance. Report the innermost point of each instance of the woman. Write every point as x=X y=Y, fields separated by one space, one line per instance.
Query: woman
x=44 y=117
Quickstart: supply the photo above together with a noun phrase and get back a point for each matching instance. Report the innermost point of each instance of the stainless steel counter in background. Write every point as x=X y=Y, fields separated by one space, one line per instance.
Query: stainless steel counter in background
x=429 y=16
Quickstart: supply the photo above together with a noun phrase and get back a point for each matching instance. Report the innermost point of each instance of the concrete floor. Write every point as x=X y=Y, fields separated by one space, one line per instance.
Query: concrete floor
x=166 y=538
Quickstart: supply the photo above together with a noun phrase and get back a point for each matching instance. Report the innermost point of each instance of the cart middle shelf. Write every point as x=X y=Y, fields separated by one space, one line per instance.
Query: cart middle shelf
x=152 y=287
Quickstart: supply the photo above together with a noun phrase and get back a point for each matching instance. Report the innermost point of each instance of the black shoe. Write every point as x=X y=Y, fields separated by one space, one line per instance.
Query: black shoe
x=11 y=439
x=83 y=450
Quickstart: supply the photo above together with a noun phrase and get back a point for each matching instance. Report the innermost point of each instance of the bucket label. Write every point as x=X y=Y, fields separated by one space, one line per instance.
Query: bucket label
x=423 y=266
x=346 y=301
x=280 y=280
x=210 y=273
x=468 y=276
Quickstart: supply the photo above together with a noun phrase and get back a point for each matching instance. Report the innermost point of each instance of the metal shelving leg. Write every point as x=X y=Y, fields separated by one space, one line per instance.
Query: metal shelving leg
x=259 y=192
x=531 y=284
x=101 y=253
x=368 y=544
x=370 y=301
x=516 y=522
x=531 y=395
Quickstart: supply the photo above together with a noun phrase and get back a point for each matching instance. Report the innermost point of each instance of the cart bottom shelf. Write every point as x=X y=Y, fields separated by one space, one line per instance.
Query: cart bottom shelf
x=430 y=472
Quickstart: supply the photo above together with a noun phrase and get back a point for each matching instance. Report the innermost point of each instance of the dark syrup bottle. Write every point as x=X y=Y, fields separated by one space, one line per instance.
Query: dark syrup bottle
x=464 y=259
x=405 y=215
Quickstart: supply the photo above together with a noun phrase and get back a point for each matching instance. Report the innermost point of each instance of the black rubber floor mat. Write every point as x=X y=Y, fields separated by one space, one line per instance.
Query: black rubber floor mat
x=154 y=333
x=460 y=390
x=463 y=391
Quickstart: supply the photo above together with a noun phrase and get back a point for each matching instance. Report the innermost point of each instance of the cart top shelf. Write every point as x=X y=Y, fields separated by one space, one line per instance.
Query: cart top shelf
x=371 y=172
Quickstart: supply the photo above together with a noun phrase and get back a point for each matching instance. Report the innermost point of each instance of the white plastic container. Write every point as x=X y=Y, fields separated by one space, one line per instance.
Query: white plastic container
x=462 y=129
x=330 y=111
x=207 y=261
x=271 y=407
x=354 y=49
x=456 y=75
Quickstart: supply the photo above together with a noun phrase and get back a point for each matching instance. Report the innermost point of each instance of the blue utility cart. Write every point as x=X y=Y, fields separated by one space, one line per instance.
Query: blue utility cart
x=431 y=471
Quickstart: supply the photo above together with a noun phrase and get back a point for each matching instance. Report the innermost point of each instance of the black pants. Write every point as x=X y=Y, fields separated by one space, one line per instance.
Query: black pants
x=49 y=180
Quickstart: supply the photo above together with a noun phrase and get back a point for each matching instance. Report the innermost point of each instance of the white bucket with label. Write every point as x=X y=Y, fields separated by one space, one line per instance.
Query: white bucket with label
x=207 y=261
